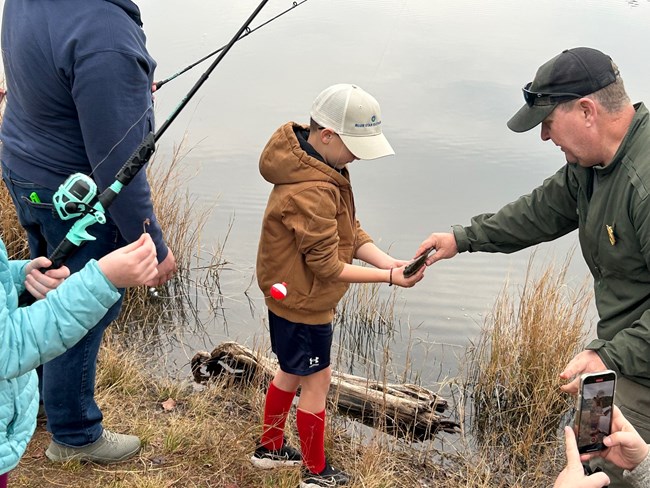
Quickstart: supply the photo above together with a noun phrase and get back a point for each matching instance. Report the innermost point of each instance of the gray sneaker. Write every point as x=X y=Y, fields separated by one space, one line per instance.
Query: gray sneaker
x=109 y=448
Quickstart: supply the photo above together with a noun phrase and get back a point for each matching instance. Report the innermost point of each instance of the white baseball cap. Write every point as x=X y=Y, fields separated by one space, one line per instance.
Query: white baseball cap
x=355 y=116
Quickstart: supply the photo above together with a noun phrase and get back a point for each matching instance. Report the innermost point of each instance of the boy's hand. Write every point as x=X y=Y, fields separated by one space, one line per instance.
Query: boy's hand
x=400 y=280
x=394 y=263
x=132 y=265
x=40 y=284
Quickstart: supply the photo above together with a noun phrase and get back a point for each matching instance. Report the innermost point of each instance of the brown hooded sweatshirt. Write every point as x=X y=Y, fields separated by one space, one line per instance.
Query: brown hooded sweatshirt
x=309 y=230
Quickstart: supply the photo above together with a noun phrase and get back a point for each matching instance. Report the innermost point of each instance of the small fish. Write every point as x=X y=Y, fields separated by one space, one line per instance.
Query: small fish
x=417 y=263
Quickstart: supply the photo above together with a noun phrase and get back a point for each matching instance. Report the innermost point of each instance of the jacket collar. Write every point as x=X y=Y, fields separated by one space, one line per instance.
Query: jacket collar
x=639 y=121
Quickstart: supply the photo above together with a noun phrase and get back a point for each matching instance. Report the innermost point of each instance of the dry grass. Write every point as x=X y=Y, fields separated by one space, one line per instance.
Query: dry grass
x=13 y=235
x=204 y=440
x=182 y=220
x=363 y=321
x=514 y=376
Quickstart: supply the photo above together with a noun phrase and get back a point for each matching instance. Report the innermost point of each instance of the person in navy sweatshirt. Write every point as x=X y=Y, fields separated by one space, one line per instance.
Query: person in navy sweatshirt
x=78 y=79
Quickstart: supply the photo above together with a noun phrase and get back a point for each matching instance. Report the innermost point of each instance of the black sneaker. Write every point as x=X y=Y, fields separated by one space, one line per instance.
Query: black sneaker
x=264 y=458
x=329 y=477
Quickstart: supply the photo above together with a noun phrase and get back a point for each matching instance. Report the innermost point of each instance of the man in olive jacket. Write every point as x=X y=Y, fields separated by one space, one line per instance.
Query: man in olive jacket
x=579 y=99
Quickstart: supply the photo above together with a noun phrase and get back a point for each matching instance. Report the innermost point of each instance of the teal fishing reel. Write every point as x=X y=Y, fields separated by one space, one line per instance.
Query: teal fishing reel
x=77 y=198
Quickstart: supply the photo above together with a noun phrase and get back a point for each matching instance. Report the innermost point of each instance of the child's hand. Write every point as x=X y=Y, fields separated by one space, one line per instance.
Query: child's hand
x=573 y=475
x=131 y=265
x=625 y=447
x=398 y=277
x=39 y=284
x=395 y=263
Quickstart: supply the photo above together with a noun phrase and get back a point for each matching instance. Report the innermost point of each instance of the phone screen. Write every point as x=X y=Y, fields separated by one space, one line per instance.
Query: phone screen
x=594 y=417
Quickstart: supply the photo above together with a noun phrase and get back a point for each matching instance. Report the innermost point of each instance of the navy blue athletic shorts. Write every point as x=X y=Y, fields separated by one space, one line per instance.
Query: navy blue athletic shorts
x=301 y=349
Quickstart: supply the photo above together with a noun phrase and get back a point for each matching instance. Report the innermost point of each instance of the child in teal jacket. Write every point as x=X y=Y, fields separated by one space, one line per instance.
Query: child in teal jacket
x=66 y=309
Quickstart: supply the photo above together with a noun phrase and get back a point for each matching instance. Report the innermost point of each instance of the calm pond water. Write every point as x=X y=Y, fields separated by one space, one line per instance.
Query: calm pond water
x=448 y=75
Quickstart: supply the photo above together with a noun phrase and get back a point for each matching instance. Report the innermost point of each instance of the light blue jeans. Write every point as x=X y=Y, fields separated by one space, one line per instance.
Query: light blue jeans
x=67 y=383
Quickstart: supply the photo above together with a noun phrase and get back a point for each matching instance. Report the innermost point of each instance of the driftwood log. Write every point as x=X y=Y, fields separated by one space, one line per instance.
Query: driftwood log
x=404 y=410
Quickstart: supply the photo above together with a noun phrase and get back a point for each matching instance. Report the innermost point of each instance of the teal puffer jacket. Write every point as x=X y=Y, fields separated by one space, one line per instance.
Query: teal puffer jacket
x=33 y=335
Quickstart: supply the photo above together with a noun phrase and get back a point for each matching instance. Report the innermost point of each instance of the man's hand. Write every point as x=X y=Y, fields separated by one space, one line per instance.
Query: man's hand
x=584 y=362
x=166 y=270
x=40 y=284
x=444 y=244
x=573 y=475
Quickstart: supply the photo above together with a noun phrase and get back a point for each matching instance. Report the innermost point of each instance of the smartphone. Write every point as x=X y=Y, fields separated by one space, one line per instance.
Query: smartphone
x=593 y=420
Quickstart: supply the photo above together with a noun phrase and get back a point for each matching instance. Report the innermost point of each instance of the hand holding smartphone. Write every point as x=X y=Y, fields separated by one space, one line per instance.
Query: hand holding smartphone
x=595 y=403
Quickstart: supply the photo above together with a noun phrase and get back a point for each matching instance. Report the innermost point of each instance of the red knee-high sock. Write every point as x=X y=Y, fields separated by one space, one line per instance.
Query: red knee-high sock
x=276 y=410
x=311 y=429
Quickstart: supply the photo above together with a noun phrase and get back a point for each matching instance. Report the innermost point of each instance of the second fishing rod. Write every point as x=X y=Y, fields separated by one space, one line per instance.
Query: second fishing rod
x=248 y=31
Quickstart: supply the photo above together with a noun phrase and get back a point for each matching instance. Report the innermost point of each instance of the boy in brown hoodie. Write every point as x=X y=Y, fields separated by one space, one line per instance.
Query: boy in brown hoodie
x=310 y=235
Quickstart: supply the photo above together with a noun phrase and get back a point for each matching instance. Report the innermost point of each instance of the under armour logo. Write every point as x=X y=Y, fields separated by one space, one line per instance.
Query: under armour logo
x=313 y=361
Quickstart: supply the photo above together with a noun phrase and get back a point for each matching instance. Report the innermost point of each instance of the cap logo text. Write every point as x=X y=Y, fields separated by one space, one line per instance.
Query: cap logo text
x=373 y=122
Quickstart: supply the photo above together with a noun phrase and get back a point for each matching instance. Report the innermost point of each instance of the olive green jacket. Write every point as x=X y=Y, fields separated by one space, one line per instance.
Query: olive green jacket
x=610 y=207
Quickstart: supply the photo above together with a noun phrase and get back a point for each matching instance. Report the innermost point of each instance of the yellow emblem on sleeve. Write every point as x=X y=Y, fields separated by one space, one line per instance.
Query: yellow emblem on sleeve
x=610 y=233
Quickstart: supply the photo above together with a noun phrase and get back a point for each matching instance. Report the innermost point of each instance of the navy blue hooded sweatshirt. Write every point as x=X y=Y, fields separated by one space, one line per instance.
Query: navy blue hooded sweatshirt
x=79 y=98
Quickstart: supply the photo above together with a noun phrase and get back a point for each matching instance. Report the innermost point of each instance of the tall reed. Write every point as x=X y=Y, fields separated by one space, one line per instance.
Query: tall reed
x=182 y=220
x=13 y=234
x=514 y=370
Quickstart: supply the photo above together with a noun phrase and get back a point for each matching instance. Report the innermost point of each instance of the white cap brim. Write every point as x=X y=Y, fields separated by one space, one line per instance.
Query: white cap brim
x=368 y=147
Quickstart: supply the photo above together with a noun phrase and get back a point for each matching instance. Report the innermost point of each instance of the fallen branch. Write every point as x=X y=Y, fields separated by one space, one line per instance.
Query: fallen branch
x=402 y=409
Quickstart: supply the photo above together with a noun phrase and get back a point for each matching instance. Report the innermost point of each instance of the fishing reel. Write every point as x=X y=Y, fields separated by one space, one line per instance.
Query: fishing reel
x=77 y=196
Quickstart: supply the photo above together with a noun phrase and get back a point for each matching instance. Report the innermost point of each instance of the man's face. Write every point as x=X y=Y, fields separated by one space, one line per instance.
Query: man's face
x=566 y=128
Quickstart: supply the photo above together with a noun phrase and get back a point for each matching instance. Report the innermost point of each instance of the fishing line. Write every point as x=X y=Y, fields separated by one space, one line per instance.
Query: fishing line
x=389 y=40
x=91 y=207
x=207 y=73
x=247 y=32
x=110 y=151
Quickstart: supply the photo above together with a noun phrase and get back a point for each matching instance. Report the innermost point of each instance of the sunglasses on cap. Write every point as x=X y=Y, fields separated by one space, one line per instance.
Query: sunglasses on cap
x=542 y=98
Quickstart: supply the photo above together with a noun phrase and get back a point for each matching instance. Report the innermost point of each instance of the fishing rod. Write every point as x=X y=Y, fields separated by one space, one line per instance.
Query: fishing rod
x=77 y=196
x=247 y=32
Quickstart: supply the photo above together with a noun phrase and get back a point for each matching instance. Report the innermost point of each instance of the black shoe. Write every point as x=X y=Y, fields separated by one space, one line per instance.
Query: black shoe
x=329 y=477
x=285 y=456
